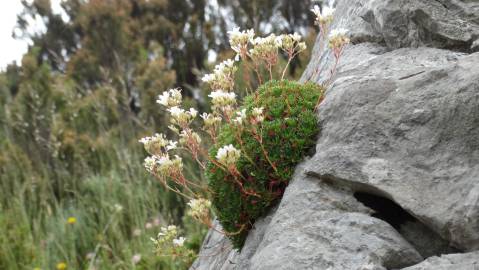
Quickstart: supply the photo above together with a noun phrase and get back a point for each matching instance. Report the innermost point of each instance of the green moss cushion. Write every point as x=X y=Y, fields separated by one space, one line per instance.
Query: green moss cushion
x=288 y=132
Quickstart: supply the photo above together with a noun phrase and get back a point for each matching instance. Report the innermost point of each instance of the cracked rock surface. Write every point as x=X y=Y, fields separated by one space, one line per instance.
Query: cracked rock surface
x=394 y=182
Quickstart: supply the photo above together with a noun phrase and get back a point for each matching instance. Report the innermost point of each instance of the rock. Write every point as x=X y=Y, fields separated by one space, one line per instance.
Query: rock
x=465 y=261
x=411 y=133
x=216 y=251
x=443 y=24
x=321 y=226
x=395 y=176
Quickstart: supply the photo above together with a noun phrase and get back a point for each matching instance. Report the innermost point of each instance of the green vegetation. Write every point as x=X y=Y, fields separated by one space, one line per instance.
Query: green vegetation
x=72 y=186
x=267 y=163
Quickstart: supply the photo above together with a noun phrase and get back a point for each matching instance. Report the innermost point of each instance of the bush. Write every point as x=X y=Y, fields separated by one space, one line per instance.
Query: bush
x=288 y=131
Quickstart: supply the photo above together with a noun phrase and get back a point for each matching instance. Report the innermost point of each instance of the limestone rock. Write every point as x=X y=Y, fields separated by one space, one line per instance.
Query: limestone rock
x=465 y=261
x=395 y=176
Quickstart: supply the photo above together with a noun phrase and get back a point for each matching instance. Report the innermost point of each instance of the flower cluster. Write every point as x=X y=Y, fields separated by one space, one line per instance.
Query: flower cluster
x=291 y=42
x=170 y=98
x=266 y=49
x=228 y=155
x=200 y=210
x=324 y=17
x=157 y=144
x=180 y=117
x=211 y=120
x=169 y=243
x=338 y=38
x=164 y=166
x=258 y=115
x=239 y=41
x=222 y=76
x=240 y=117
x=221 y=99
x=166 y=235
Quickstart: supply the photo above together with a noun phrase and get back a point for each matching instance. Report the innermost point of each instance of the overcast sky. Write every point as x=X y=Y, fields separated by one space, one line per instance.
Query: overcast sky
x=11 y=49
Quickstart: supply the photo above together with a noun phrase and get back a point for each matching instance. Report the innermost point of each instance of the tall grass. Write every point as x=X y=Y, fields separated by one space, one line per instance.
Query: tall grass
x=65 y=157
x=116 y=214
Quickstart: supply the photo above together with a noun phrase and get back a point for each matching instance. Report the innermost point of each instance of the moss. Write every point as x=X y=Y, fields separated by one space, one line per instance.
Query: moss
x=289 y=130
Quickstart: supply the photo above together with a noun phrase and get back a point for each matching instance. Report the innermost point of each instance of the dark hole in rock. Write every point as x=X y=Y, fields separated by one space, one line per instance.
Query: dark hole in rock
x=385 y=209
x=423 y=239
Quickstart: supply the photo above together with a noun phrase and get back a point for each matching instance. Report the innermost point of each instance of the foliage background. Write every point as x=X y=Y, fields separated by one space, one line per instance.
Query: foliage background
x=72 y=112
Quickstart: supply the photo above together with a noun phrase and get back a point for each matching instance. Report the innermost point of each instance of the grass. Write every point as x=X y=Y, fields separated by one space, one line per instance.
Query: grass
x=35 y=231
x=69 y=156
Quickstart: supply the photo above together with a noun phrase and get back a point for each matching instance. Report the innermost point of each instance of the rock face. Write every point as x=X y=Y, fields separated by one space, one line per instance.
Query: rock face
x=394 y=181
x=466 y=261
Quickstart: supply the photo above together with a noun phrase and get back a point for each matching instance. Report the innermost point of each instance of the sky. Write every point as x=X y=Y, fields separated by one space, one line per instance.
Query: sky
x=11 y=49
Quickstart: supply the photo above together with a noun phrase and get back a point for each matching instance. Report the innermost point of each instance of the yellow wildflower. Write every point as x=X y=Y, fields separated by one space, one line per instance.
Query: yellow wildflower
x=71 y=220
x=61 y=266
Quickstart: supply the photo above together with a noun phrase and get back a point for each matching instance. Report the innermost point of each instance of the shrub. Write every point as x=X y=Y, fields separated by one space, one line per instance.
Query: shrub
x=287 y=132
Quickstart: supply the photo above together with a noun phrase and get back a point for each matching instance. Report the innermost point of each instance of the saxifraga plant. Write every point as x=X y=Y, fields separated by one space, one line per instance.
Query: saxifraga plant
x=256 y=144
x=270 y=152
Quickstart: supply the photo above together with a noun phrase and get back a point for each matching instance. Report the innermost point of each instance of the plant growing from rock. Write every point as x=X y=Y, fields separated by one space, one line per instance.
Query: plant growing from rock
x=337 y=38
x=255 y=143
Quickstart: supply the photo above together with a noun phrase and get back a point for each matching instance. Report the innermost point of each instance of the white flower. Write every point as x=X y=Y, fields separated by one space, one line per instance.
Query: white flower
x=189 y=138
x=176 y=111
x=178 y=242
x=193 y=112
x=221 y=99
x=170 y=98
x=328 y=11
x=171 y=145
x=296 y=37
x=163 y=166
x=90 y=255
x=222 y=76
x=156 y=144
x=136 y=258
x=266 y=48
x=239 y=39
x=200 y=209
x=241 y=117
x=150 y=163
x=208 y=78
x=181 y=117
x=118 y=207
x=338 y=32
x=257 y=111
x=258 y=114
x=316 y=10
x=228 y=155
x=210 y=120
x=291 y=42
x=324 y=17
x=338 y=38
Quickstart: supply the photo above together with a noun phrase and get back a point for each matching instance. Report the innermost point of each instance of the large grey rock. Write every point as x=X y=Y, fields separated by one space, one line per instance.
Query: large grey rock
x=395 y=176
x=322 y=226
x=465 y=261
x=406 y=123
